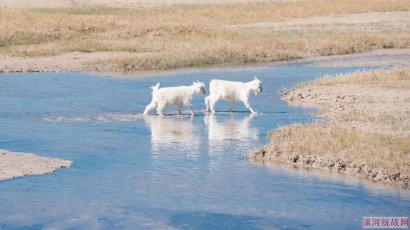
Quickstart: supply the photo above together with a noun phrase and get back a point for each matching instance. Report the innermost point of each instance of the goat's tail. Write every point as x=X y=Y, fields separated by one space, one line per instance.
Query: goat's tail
x=155 y=88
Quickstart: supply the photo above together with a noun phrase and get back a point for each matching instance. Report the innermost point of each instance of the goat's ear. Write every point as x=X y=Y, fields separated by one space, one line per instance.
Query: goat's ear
x=256 y=78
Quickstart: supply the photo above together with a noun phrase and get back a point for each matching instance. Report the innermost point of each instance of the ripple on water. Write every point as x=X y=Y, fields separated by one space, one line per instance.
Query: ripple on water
x=107 y=117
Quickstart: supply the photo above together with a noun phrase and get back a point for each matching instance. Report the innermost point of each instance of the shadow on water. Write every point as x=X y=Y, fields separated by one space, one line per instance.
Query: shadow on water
x=167 y=172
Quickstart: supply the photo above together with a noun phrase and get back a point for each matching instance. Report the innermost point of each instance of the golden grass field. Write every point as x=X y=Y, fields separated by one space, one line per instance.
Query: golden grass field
x=192 y=35
x=369 y=131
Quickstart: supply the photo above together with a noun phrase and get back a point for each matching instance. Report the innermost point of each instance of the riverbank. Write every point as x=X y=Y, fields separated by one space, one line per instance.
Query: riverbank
x=368 y=132
x=17 y=164
x=104 y=39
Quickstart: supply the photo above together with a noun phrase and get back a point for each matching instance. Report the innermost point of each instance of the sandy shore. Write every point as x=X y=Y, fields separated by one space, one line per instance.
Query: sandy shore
x=385 y=57
x=368 y=132
x=68 y=62
x=16 y=164
x=24 y=4
x=76 y=61
x=394 y=19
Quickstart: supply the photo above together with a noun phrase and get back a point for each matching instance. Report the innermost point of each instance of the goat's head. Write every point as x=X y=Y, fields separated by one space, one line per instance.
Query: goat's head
x=199 y=87
x=256 y=86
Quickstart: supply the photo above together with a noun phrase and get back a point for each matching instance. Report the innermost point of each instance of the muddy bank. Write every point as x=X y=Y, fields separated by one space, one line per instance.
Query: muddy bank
x=368 y=132
x=16 y=164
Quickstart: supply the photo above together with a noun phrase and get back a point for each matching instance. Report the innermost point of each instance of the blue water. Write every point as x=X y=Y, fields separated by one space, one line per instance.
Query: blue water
x=176 y=172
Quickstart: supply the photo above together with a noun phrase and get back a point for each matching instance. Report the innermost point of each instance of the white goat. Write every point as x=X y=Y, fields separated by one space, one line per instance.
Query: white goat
x=178 y=96
x=231 y=91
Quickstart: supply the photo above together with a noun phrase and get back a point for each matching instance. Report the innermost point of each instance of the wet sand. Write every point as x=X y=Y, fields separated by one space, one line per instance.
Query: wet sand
x=17 y=164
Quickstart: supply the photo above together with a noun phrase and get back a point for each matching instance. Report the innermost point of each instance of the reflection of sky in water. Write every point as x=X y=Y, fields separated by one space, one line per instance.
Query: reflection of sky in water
x=171 y=172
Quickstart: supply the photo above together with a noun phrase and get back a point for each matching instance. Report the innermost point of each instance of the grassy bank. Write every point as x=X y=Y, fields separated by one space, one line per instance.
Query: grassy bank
x=185 y=36
x=369 y=132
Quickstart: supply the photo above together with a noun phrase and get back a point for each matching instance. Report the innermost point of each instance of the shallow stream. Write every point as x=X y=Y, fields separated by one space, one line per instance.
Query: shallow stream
x=174 y=172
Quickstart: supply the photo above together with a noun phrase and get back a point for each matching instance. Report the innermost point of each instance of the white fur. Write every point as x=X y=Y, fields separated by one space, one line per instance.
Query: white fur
x=178 y=96
x=231 y=91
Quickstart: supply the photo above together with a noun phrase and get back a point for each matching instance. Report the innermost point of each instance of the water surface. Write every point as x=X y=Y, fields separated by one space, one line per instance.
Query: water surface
x=174 y=172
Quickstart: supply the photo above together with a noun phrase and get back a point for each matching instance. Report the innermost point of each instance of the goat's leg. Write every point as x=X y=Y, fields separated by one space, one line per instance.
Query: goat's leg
x=207 y=100
x=246 y=103
x=212 y=103
x=179 y=110
x=149 y=107
x=192 y=111
x=231 y=105
x=160 y=109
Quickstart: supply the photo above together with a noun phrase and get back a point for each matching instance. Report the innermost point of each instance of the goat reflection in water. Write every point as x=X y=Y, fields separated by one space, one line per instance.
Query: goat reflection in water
x=173 y=133
x=181 y=134
x=224 y=136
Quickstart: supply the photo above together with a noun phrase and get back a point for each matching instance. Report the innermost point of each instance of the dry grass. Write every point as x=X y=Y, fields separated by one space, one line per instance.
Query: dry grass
x=394 y=121
x=394 y=79
x=379 y=98
x=197 y=35
x=373 y=149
